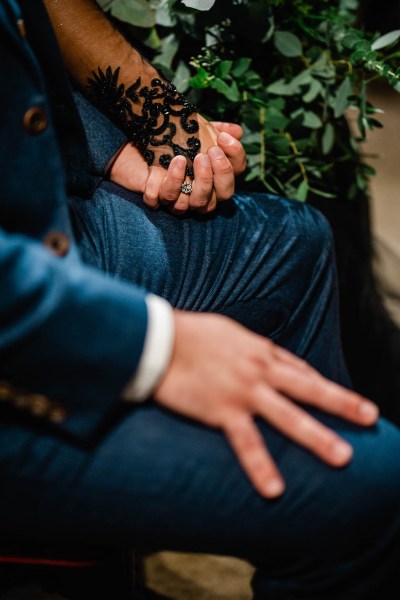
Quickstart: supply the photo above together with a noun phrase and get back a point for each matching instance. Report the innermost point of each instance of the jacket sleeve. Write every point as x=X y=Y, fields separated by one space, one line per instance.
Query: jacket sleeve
x=145 y=106
x=70 y=338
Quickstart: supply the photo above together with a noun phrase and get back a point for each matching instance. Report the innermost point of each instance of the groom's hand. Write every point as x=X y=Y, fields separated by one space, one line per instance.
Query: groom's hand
x=223 y=375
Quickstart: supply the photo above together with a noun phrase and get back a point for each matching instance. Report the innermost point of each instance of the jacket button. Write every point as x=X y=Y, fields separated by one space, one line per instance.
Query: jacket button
x=39 y=405
x=21 y=401
x=21 y=28
x=57 y=414
x=35 y=120
x=57 y=242
x=7 y=392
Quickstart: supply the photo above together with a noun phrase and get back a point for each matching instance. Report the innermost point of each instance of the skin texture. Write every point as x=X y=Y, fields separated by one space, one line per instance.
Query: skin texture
x=223 y=375
x=215 y=171
x=220 y=373
x=81 y=28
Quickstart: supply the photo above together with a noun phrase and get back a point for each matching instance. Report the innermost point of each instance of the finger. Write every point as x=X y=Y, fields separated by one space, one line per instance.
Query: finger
x=234 y=150
x=181 y=205
x=302 y=428
x=212 y=205
x=224 y=179
x=252 y=454
x=153 y=184
x=291 y=359
x=317 y=391
x=170 y=189
x=203 y=181
x=235 y=130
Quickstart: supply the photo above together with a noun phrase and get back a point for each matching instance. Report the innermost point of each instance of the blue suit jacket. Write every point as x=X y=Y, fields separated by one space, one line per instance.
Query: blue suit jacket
x=70 y=338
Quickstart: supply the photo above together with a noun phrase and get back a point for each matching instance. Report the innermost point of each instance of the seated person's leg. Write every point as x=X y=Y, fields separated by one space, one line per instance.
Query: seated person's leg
x=168 y=483
x=262 y=260
x=157 y=481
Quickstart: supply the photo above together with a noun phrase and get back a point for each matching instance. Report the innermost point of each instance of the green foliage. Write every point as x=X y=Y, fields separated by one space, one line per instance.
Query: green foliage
x=286 y=70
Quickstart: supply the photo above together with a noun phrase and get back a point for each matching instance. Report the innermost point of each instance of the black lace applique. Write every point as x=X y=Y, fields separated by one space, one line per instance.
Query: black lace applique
x=153 y=127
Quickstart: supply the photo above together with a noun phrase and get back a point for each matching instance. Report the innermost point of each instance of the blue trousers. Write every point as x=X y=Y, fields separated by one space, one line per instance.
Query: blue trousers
x=158 y=481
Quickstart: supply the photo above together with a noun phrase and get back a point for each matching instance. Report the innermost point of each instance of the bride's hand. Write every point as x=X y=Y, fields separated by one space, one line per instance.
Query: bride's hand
x=215 y=171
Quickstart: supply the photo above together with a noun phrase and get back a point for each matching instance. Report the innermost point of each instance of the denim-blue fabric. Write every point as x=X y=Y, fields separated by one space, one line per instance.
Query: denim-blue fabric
x=50 y=306
x=160 y=481
x=127 y=475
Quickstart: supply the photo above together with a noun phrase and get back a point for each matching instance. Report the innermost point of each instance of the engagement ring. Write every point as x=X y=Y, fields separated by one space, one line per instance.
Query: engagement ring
x=186 y=188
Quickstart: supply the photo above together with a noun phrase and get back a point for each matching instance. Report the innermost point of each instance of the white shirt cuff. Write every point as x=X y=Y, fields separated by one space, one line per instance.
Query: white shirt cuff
x=157 y=350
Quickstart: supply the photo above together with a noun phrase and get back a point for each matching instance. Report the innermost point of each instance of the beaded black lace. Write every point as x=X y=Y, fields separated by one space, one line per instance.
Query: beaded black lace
x=152 y=128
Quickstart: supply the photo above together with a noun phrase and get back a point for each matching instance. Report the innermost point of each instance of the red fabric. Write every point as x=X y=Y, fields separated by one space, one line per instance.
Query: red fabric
x=48 y=562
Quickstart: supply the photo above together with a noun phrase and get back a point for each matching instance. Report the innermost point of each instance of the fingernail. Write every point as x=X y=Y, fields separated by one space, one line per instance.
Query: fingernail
x=217 y=152
x=226 y=139
x=274 y=488
x=368 y=411
x=342 y=452
x=204 y=160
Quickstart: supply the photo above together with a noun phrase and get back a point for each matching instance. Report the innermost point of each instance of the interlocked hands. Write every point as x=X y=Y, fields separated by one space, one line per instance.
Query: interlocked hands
x=215 y=168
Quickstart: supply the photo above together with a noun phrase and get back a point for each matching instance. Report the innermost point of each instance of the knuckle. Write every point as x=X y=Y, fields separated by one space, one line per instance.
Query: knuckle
x=175 y=179
x=169 y=196
x=225 y=195
x=205 y=181
x=181 y=205
x=199 y=202
x=242 y=437
x=225 y=168
x=150 y=198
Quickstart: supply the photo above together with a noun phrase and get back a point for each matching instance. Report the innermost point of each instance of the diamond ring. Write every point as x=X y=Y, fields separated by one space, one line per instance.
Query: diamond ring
x=186 y=188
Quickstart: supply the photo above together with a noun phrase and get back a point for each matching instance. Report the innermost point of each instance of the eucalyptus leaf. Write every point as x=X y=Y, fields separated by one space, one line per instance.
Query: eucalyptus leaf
x=182 y=77
x=241 y=66
x=386 y=40
x=328 y=138
x=169 y=47
x=311 y=120
x=283 y=88
x=302 y=191
x=229 y=91
x=288 y=43
x=342 y=97
x=223 y=68
x=152 y=40
x=252 y=175
x=199 y=4
x=164 y=16
x=105 y=4
x=291 y=101
x=313 y=91
x=201 y=80
x=135 y=12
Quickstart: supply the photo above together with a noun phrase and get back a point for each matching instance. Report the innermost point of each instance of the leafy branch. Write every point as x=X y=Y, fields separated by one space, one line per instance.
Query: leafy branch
x=287 y=70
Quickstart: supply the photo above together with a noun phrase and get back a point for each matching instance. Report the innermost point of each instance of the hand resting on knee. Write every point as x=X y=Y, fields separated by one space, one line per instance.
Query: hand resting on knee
x=223 y=375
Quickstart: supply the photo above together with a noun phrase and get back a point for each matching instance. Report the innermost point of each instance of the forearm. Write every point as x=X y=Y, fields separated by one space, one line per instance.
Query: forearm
x=89 y=40
x=154 y=116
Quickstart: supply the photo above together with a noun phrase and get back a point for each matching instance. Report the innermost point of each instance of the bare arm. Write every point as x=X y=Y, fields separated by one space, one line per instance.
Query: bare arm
x=155 y=117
